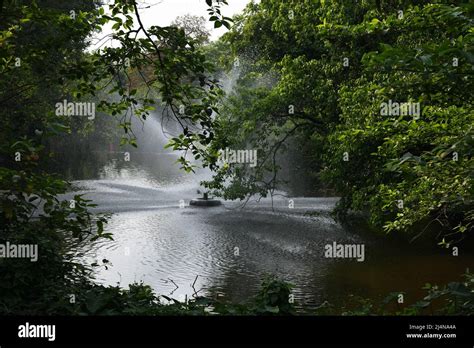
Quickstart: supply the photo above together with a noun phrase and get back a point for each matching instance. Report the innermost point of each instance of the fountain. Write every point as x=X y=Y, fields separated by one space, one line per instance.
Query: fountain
x=205 y=201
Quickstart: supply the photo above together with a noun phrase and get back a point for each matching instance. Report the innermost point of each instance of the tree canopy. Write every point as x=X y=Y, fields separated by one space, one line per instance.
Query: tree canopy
x=315 y=74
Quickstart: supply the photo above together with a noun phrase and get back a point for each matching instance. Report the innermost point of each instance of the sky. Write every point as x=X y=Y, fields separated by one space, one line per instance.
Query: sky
x=163 y=12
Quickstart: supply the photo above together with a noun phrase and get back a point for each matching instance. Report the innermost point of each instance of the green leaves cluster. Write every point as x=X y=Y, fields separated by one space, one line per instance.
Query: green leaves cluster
x=424 y=163
x=335 y=63
x=215 y=14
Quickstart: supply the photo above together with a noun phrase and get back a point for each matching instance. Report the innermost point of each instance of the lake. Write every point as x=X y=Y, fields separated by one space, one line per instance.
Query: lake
x=225 y=251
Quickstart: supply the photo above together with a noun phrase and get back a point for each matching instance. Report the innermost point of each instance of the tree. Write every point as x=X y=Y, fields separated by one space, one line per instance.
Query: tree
x=194 y=27
x=316 y=73
x=43 y=62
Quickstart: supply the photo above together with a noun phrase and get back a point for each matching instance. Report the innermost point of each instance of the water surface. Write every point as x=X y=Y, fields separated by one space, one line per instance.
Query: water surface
x=225 y=251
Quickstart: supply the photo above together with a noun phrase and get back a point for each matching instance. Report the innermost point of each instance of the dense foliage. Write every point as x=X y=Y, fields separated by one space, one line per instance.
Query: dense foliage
x=312 y=79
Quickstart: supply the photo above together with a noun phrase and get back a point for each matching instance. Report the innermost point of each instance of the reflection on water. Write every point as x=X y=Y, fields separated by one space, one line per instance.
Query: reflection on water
x=226 y=250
